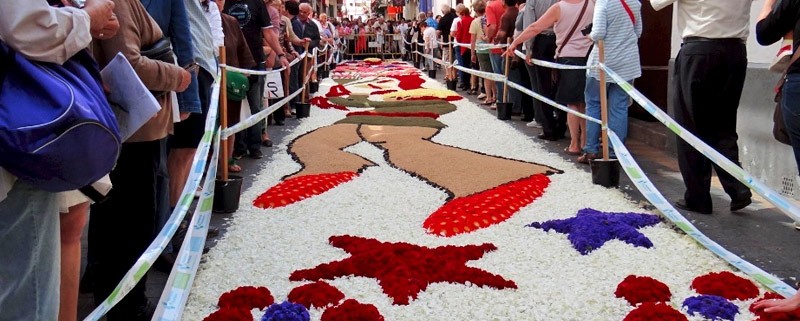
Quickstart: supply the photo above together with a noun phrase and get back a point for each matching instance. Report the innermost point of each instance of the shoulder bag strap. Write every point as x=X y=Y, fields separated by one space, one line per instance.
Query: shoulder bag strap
x=574 y=27
x=629 y=11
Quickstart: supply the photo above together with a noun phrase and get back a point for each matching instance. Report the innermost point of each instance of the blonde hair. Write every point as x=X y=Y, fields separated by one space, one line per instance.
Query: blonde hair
x=461 y=9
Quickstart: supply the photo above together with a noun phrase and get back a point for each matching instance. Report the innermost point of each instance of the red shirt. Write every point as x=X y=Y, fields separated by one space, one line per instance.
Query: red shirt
x=462 y=33
x=494 y=11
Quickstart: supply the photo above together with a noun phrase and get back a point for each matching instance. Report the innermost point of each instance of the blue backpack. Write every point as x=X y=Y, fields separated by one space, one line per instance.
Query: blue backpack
x=57 y=130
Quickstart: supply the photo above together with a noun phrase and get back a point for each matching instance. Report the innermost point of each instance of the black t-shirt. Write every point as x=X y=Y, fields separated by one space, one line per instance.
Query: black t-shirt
x=444 y=25
x=253 y=17
x=784 y=18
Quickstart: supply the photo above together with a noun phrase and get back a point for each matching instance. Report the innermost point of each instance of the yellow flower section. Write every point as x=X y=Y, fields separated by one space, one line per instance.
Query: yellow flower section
x=373 y=60
x=422 y=92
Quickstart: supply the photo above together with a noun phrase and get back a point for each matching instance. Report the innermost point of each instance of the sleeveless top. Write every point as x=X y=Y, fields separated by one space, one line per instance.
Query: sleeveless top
x=578 y=45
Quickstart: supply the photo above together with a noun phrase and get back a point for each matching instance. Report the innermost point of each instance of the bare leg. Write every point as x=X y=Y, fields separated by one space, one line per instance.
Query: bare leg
x=179 y=162
x=72 y=224
x=575 y=131
x=582 y=123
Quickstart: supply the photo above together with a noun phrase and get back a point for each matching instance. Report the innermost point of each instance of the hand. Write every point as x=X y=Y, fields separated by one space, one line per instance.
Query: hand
x=529 y=58
x=184 y=115
x=100 y=12
x=509 y=52
x=306 y=41
x=774 y=305
x=474 y=59
x=109 y=30
x=284 y=62
x=186 y=79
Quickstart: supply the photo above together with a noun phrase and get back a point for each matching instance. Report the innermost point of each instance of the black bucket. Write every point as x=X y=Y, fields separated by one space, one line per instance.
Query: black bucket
x=226 y=194
x=302 y=110
x=605 y=172
x=504 y=110
x=432 y=73
x=452 y=84
x=313 y=87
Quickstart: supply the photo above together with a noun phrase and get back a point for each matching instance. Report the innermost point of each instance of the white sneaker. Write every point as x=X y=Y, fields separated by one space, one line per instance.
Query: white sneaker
x=534 y=124
x=782 y=59
x=482 y=96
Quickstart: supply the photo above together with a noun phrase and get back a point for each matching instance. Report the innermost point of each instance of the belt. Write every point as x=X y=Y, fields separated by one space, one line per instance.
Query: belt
x=714 y=40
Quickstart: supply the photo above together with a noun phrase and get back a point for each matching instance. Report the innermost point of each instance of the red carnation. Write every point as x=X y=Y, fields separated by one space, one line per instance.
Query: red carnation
x=726 y=285
x=352 y=310
x=775 y=316
x=324 y=103
x=639 y=289
x=247 y=298
x=650 y=311
x=337 y=91
x=230 y=315
x=317 y=295
x=381 y=92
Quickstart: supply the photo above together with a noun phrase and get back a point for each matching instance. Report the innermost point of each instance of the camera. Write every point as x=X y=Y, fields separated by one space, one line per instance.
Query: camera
x=586 y=31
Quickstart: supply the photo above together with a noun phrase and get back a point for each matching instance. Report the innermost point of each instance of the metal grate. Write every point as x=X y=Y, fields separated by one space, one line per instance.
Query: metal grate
x=788 y=186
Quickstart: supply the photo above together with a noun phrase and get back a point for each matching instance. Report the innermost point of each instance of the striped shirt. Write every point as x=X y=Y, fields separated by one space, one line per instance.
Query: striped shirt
x=613 y=25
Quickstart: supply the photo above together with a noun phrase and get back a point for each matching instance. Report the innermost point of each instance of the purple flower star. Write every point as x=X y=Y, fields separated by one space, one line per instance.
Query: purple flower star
x=590 y=229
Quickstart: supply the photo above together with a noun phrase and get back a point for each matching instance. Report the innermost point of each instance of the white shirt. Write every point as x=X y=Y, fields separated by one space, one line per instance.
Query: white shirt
x=215 y=21
x=711 y=18
x=429 y=36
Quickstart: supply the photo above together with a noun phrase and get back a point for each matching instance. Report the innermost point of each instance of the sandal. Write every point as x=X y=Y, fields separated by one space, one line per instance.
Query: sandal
x=569 y=152
x=233 y=167
x=487 y=102
x=587 y=157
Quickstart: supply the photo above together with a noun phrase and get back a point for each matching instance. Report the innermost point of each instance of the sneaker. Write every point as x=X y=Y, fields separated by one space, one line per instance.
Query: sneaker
x=534 y=124
x=782 y=59
x=482 y=96
x=797 y=226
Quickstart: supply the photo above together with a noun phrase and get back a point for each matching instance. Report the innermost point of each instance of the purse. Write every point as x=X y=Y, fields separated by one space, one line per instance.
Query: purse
x=778 y=126
x=237 y=85
x=161 y=50
x=57 y=130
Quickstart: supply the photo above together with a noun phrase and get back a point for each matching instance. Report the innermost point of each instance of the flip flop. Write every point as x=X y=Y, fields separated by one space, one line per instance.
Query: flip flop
x=569 y=152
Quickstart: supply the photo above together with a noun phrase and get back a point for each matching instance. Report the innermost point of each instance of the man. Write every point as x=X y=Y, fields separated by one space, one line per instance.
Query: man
x=304 y=27
x=29 y=219
x=431 y=22
x=501 y=16
x=708 y=80
x=445 y=23
x=256 y=24
x=543 y=47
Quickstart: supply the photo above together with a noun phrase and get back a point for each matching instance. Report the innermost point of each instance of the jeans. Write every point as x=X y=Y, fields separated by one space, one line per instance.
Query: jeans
x=790 y=106
x=618 y=103
x=498 y=65
x=30 y=249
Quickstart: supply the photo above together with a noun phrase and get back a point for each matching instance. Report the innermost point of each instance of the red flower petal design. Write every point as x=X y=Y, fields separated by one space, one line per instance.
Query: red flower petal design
x=402 y=269
x=726 y=285
x=316 y=295
x=324 y=103
x=775 y=316
x=639 y=289
x=337 y=91
x=374 y=86
x=299 y=188
x=352 y=310
x=408 y=82
x=483 y=209
x=381 y=92
x=230 y=315
x=247 y=298
x=397 y=114
x=448 y=98
x=650 y=311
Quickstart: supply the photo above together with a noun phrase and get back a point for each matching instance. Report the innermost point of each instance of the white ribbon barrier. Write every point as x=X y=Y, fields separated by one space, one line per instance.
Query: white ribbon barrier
x=481 y=46
x=176 y=292
x=786 y=206
x=263 y=72
x=551 y=64
x=482 y=74
x=651 y=193
x=143 y=264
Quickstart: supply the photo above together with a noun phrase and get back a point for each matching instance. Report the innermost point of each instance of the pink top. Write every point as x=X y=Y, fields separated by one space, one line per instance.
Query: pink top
x=578 y=45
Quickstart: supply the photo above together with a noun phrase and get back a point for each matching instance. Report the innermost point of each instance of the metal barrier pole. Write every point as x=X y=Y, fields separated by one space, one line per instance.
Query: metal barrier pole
x=508 y=65
x=223 y=105
x=603 y=101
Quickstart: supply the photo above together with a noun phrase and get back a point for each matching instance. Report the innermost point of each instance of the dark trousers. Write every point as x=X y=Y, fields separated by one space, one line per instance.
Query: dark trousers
x=524 y=101
x=250 y=138
x=708 y=81
x=123 y=226
x=553 y=120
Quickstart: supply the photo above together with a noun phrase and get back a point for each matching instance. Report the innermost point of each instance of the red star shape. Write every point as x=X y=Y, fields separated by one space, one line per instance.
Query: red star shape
x=404 y=270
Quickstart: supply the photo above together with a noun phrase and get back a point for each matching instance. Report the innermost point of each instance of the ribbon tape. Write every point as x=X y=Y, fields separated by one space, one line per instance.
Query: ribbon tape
x=143 y=264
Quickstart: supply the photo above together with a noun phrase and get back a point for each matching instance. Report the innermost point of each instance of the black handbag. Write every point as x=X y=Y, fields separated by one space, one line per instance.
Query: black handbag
x=161 y=50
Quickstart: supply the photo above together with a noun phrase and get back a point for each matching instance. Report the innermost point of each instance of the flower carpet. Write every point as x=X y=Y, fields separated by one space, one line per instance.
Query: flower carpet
x=399 y=200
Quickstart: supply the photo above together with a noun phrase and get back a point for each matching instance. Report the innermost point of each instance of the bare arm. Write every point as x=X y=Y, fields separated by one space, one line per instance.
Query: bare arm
x=272 y=40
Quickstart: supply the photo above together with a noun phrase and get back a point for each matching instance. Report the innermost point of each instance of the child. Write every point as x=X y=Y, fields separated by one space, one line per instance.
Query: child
x=429 y=36
x=379 y=39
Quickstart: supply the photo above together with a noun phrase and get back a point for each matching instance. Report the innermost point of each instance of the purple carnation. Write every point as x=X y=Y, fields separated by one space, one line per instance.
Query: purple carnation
x=590 y=228
x=286 y=311
x=711 y=307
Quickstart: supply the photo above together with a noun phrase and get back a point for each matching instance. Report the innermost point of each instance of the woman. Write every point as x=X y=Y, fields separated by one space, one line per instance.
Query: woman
x=618 y=23
x=129 y=213
x=237 y=54
x=572 y=49
x=478 y=31
x=464 y=54
x=773 y=24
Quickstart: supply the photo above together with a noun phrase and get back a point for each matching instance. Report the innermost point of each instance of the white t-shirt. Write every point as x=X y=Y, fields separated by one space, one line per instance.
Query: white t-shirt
x=429 y=36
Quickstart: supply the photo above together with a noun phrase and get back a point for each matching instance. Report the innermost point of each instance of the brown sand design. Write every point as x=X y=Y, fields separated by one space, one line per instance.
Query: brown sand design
x=320 y=151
